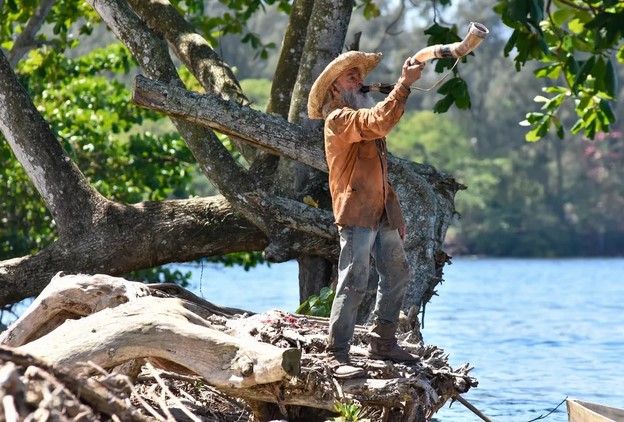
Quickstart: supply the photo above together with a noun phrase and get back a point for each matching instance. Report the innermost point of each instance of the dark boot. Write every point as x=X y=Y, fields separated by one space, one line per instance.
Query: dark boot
x=341 y=366
x=383 y=344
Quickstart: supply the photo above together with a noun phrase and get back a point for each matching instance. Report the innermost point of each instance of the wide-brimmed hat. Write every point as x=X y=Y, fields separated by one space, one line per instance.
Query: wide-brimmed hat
x=363 y=61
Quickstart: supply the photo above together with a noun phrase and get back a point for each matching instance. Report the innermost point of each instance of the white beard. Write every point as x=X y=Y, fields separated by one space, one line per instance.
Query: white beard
x=357 y=99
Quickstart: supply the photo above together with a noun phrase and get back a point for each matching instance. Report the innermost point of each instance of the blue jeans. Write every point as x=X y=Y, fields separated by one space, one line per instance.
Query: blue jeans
x=357 y=244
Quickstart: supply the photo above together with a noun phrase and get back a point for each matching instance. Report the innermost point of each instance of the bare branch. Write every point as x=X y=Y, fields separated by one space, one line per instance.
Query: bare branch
x=271 y=133
x=26 y=39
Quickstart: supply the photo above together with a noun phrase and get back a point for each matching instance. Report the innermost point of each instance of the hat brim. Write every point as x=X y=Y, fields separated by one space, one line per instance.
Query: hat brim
x=363 y=61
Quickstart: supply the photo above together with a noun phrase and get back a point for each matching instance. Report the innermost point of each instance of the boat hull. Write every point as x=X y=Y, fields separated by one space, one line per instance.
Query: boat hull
x=580 y=411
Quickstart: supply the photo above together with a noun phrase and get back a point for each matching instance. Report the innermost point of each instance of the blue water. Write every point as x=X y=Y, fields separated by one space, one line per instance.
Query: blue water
x=535 y=331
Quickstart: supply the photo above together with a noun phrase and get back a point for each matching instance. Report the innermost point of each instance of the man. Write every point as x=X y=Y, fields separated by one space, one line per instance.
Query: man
x=366 y=208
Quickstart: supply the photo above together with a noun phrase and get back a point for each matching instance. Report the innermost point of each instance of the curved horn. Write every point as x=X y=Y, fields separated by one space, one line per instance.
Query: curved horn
x=476 y=33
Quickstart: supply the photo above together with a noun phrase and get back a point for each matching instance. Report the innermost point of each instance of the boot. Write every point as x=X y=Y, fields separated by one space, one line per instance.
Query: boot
x=341 y=366
x=383 y=344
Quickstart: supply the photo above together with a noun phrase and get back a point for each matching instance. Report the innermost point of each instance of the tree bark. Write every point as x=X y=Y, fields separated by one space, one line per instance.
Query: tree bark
x=124 y=238
x=269 y=132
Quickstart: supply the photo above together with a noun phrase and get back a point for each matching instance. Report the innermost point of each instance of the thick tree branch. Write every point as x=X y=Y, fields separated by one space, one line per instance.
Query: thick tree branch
x=271 y=133
x=326 y=33
x=215 y=160
x=297 y=215
x=215 y=76
x=292 y=49
x=70 y=198
x=193 y=50
x=127 y=238
x=153 y=56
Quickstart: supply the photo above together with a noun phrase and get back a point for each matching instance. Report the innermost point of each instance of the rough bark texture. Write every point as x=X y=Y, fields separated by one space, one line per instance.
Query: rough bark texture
x=269 y=132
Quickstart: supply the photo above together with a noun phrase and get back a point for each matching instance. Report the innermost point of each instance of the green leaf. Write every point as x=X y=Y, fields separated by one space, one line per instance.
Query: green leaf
x=558 y=126
x=610 y=80
x=551 y=71
x=534 y=117
x=556 y=90
x=371 y=10
x=443 y=105
x=319 y=311
x=578 y=126
x=590 y=130
x=518 y=10
x=533 y=135
x=326 y=293
x=536 y=8
x=581 y=75
x=561 y=15
x=449 y=86
x=607 y=112
x=576 y=26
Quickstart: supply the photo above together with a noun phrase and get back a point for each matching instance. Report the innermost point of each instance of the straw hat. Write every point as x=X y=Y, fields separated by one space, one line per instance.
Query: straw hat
x=364 y=61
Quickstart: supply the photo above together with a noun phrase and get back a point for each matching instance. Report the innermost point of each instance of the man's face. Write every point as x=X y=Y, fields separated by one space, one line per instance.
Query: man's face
x=349 y=80
x=348 y=87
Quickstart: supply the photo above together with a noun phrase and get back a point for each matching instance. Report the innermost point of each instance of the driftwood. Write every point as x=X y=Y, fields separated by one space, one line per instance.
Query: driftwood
x=89 y=325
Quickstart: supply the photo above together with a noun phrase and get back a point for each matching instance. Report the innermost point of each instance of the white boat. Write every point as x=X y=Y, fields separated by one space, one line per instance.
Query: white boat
x=582 y=411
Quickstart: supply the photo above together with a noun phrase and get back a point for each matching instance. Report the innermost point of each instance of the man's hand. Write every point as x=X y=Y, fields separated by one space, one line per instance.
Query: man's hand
x=412 y=69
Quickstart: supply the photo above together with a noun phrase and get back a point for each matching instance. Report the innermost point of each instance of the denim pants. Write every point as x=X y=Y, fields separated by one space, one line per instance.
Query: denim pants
x=357 y=244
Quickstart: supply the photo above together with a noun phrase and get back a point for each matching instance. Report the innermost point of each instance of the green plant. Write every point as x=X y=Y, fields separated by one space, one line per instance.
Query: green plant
x=318 y=305
x=349 y=411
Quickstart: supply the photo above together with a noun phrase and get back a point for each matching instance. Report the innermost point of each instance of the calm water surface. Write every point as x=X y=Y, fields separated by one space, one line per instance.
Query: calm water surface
x=535 y=331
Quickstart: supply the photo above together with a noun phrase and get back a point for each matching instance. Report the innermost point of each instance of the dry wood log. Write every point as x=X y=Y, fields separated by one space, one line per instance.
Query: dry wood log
x=70 y=297
x=273 y=357
x=164 y=328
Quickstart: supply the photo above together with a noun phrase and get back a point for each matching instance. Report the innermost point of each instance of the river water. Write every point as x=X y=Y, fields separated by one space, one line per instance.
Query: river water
x=535 y=330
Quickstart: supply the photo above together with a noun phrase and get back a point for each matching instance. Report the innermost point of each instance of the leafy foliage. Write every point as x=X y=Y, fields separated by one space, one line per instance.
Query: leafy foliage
x=230 y=18
x=90 y=115
x=574 y=41
x=318 y=305
x=454 y=90
x=64 y=14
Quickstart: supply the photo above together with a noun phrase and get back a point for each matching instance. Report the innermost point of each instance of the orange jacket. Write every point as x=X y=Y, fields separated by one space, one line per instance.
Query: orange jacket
x=355 y=148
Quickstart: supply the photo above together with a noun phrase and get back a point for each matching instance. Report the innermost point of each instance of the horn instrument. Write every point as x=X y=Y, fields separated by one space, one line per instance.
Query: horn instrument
x=476 y=34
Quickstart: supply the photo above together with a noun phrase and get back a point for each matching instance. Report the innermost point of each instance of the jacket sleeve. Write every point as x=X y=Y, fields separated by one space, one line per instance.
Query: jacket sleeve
x=369 y=123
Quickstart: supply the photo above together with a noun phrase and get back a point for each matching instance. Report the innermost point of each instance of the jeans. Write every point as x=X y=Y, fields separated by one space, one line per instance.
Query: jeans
x=357 y=244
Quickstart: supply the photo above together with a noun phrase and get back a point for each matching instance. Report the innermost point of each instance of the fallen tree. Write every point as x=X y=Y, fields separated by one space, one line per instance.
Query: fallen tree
x=83 y=328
